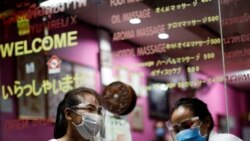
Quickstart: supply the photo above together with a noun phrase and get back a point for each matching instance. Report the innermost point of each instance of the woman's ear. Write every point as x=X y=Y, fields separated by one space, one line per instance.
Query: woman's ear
x=67 y=114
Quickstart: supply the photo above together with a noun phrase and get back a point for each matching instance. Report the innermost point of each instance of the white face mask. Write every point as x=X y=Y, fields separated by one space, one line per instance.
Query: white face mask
x=90 y=125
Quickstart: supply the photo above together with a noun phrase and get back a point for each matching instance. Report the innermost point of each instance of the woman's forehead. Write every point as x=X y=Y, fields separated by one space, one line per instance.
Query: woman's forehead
x=89 y=99
x=180 y=114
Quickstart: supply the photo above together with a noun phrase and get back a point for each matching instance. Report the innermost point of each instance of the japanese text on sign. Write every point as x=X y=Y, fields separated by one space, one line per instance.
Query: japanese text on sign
x=182 y=6
x=63 y=85
x=163 y=47
x=193 y=22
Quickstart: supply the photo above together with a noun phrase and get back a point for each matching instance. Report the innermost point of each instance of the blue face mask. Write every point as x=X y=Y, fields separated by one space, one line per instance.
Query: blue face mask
x=160 y=132
x=192 y=134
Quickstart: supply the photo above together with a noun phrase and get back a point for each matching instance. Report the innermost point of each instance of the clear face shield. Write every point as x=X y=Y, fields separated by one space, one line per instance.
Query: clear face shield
x=91 y=126
x=175 y=129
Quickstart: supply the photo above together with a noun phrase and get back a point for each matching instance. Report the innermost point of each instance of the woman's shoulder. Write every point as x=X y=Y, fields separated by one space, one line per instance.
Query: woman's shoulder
x=223 y=137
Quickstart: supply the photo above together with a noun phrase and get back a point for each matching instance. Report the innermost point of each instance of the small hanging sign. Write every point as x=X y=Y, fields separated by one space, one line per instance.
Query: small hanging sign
x=29 y=67
x=23 y=25
x=54 y=65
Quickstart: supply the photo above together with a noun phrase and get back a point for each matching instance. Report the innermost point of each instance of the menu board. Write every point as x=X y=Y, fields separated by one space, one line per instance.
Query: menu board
x=189 y=48
x=168 y=42
x=119 y=129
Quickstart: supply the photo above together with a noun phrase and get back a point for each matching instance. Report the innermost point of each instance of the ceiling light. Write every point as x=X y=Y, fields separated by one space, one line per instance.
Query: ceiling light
x=135 y=21
x=163 y=36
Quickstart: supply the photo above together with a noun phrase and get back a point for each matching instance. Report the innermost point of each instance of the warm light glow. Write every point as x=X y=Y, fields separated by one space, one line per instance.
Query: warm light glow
x=163 y=36
x=53 y=2
x=105 y=45
x=107 y=75
x=163 y=87
x=135 y=21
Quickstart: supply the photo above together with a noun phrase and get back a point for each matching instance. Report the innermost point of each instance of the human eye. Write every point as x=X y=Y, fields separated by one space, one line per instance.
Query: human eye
x=91 y=109
x=99 y=110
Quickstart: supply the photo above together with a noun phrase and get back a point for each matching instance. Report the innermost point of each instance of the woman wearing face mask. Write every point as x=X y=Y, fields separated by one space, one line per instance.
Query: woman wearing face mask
x=160 y=131
x=191 y=121
x=78 y=116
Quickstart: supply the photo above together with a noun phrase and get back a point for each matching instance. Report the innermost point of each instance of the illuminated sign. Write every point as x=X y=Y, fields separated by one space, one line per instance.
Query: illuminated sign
x=47 y=43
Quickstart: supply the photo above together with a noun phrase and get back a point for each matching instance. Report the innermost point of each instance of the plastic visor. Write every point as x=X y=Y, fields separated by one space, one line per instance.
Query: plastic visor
x=177 y=127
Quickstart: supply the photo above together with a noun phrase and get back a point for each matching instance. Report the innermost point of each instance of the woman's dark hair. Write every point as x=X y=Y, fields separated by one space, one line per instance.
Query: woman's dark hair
x=198 y=107
x=71 y=98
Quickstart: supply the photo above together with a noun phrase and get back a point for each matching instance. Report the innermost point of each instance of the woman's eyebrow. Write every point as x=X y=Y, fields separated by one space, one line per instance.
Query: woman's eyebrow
x=90 y=106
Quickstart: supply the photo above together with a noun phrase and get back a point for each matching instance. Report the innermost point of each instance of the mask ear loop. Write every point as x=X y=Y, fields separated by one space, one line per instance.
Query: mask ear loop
x=77 y=114
x=205 y=134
